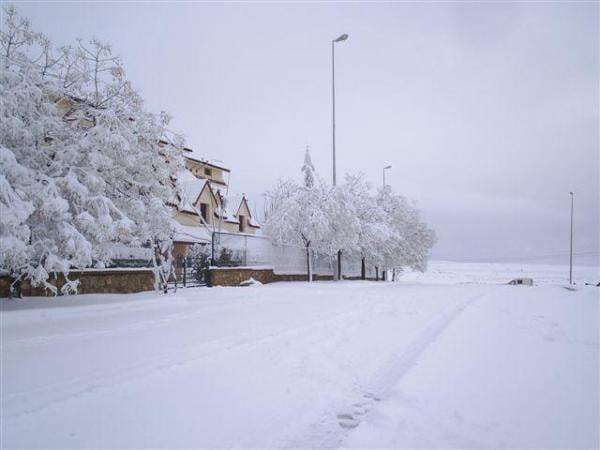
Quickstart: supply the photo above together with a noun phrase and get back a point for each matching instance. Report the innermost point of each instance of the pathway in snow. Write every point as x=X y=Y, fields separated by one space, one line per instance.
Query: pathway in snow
x=519 y=369
x=323 y=435
x=297 y=365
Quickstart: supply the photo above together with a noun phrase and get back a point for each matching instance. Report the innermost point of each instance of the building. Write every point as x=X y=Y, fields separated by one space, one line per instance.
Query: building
x=205 y=205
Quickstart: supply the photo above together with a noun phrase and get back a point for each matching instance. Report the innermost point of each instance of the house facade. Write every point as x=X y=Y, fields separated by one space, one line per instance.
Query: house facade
x=205 y=205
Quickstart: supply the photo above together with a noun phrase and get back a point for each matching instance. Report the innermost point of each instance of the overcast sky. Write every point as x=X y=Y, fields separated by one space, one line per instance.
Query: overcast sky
x=488 y=112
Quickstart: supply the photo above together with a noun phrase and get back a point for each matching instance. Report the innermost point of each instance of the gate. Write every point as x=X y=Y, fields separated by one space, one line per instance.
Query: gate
x=190 y=271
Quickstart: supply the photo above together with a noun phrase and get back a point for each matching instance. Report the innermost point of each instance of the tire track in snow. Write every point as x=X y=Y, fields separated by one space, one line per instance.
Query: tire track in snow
x=67 y=390
x=336 y=424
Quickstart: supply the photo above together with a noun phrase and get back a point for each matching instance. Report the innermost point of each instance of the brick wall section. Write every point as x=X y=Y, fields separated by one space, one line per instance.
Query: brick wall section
x=91 y=282
x=234 y=276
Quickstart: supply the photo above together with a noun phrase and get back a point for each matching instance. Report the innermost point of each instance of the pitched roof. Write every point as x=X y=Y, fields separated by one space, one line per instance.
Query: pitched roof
x=193 y=157
x=232 y=208
x=189 y=187
x=232 y=205
x=190 y=234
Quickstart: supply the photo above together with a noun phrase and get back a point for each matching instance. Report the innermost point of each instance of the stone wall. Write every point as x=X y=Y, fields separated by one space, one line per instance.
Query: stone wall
x=91 y=282
x=126 y=281
x=226 y=276
x=233 y=276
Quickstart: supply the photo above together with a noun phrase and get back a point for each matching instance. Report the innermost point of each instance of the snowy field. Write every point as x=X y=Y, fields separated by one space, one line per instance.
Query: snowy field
x=452 y=358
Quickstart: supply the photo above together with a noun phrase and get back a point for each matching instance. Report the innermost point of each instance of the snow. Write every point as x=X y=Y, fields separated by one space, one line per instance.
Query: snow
x=190 y=234
x=250 y=282
x=232 y=206
x=189 y=187
x=530 y=350
x=450 y=358
x=122 y=251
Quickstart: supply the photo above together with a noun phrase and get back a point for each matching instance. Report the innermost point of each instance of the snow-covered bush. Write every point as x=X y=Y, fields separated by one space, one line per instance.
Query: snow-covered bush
x=85 y=165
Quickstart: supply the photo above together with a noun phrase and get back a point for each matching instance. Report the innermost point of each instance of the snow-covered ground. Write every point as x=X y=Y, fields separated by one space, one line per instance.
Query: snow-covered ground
x=452 y=358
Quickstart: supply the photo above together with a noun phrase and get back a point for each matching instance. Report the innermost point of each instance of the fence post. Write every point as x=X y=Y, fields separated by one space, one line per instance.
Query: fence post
x=212 y=249
x=184 y=271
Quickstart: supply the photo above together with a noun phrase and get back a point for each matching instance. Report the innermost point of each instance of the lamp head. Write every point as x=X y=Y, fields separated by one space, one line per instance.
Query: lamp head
x=343 y=37
x=387 y=167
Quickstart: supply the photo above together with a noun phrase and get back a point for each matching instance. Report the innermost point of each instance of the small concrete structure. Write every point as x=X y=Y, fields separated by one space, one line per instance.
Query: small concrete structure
x=522 y=281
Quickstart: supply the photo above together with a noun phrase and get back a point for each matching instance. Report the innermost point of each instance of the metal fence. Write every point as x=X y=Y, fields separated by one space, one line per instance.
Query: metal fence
x=242 y=250
x=236 y=249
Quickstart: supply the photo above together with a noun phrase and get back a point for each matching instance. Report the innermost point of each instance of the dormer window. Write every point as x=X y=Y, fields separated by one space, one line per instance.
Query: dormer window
x=208 y=171
x=204 y=211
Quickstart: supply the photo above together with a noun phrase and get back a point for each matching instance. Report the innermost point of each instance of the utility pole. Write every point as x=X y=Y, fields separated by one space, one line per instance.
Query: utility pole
x=343 y=37
x=571 y=246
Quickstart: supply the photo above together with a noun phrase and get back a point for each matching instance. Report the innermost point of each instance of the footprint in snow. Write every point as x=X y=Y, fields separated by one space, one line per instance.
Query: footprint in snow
x=371 y=396
x=347 y=420
x=351 y=420
x=359 y=409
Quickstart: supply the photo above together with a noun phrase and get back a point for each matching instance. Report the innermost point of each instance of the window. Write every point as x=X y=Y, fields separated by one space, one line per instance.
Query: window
x=208 y=171
x=204 y=211
x=242 y=220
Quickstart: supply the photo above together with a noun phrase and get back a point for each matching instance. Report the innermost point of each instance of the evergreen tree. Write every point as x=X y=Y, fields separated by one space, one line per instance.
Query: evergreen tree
x=308 y=170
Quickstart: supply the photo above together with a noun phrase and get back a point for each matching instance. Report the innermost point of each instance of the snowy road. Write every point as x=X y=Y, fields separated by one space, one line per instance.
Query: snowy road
x=352 y=364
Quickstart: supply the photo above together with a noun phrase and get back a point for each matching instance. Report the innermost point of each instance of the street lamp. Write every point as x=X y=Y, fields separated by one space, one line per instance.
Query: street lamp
x=384 y=169
x=343 y=37
x=571 y=246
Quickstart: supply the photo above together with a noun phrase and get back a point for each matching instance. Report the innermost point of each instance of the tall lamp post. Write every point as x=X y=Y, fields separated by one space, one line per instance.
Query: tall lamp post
x=571 y=244
x=343 y=37
x=384 y=169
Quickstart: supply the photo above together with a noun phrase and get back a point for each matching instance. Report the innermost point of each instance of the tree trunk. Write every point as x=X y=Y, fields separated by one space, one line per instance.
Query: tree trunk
x=376 y=273
x=394 y=275
x=363 y=269
x=308 y=264
x=339 y=265
x=15 y=287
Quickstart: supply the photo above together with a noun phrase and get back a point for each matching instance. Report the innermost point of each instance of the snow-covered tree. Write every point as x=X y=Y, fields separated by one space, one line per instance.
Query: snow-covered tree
x=375 y=233
x=296 y=216
x=95 y=171
x=412 y=239
x=383 y=228
x=338 y=206
x=314 y=215
x=308 y=170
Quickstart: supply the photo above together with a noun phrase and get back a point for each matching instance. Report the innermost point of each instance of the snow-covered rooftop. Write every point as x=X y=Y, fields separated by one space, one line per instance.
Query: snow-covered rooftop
x=190 y=234
x=216 y=163
x=189 y=187
x=232 y=205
